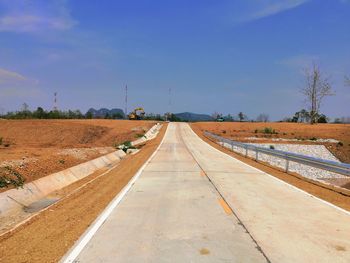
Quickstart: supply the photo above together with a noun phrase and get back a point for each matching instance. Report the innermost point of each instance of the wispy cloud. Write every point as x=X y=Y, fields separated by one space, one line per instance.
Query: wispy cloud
x=16 y=85
x=271 y=7
x=25 y=16
x=9 y=76
x=14 y=78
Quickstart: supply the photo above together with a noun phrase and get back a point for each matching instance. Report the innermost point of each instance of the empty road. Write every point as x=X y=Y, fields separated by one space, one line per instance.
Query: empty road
x=193 y=203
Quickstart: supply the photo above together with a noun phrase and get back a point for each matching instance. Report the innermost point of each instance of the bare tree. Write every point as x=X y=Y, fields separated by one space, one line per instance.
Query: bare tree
x=262 y=117
x=316 y=88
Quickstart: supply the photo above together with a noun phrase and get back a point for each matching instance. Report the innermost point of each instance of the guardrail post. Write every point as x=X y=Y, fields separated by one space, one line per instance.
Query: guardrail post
x=231 y=146
x=287 y=165
x=246 y=151
x=256 y=155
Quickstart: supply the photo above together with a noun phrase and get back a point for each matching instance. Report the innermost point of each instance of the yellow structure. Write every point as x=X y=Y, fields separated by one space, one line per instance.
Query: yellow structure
x=137 y=114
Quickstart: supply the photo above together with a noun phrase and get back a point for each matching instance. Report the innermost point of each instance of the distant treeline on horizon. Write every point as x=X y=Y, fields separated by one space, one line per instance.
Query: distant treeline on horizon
x=301 y=116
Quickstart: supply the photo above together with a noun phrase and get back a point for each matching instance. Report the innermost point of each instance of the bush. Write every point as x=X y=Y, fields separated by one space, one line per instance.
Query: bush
x=0 y=140
x=313 y=139
x=139 y=135
x=9 y=176
x=340 y=144
x=272 y=147
x=269 y=130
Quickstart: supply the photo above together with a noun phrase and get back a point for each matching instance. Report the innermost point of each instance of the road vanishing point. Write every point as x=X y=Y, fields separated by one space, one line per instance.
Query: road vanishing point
x=192 y=203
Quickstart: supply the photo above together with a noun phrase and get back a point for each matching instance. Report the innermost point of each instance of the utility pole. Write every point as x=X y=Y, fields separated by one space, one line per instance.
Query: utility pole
x=55 y=102
x=126 y=101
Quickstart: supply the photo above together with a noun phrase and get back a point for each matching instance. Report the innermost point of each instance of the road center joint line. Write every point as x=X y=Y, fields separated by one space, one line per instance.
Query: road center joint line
x=171 y=214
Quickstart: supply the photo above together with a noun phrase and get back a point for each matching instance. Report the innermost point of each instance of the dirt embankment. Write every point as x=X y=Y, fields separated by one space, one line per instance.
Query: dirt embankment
x=36 y=148
x=245 y=131
x=48 y=236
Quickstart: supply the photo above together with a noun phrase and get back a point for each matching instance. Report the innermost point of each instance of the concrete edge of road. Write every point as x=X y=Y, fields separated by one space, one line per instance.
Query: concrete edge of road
x=80 y=244
x=281 y=181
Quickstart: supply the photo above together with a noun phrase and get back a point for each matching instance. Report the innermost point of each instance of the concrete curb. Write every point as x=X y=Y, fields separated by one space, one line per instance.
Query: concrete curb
x=151 y=134
x=14 y=200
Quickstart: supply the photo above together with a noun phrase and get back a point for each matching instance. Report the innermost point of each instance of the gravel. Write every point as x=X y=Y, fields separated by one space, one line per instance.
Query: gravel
x=318 y=151
x=292 y=140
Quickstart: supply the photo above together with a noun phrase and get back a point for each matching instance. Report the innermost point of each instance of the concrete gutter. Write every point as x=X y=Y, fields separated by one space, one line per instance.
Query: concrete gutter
x=151 y=134
x=14 y=200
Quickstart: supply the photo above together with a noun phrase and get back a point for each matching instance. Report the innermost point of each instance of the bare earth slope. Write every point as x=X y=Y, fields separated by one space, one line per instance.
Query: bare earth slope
x=36 y=148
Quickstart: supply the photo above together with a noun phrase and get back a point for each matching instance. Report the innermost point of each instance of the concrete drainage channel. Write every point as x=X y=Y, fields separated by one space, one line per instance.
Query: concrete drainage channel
x=35 y=196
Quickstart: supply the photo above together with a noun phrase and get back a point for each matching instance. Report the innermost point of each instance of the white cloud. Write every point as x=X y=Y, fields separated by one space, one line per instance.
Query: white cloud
x=9 y=76
x=273 y=7
x=19 y=16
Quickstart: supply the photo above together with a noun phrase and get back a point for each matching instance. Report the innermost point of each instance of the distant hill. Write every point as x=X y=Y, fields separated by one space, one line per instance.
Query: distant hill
x=101 y=113
x=189 y=116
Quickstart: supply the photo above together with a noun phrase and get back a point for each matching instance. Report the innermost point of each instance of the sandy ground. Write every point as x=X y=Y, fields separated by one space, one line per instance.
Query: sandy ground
x=36 y=148
x=240 y=131
x=336 y=196
x=48 y=236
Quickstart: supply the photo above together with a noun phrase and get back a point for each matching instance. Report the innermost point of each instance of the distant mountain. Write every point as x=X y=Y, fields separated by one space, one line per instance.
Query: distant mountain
x=189 y=116
x=103 y=112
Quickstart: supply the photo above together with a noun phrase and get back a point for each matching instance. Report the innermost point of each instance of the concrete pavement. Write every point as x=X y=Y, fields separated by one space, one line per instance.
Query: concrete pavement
x=174 y=213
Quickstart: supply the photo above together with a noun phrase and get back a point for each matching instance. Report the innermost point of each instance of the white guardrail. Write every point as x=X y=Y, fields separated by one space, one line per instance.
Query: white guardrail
x=340 y=168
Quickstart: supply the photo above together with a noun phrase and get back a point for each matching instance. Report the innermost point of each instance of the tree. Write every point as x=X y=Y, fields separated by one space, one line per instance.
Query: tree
x=88 y=115
x=262 y=117
x=316 y=88
x=39 y=113
x=241 y=116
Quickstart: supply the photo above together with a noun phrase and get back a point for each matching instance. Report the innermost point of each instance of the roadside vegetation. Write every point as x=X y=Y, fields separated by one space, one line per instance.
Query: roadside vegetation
x=10 y=177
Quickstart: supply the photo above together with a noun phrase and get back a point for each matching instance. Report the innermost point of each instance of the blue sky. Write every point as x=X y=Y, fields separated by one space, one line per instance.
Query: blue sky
x=216 y=56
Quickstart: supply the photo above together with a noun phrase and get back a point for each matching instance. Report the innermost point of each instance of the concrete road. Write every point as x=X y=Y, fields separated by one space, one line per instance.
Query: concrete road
x=193 y=203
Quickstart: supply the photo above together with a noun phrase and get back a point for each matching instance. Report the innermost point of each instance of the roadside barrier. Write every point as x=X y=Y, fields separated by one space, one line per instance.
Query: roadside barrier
x=335 y=167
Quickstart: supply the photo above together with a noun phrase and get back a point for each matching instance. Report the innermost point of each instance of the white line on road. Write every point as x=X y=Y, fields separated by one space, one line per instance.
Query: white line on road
x=82 y=242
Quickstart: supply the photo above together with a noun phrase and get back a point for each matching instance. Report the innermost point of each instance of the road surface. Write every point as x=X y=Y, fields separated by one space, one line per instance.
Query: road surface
x=193 y=203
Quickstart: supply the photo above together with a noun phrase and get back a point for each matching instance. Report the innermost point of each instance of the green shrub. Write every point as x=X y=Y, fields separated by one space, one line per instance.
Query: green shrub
x=269 y=130
x=313 y=139
x=340 y=144
x=9 y=176
x=272 y=147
